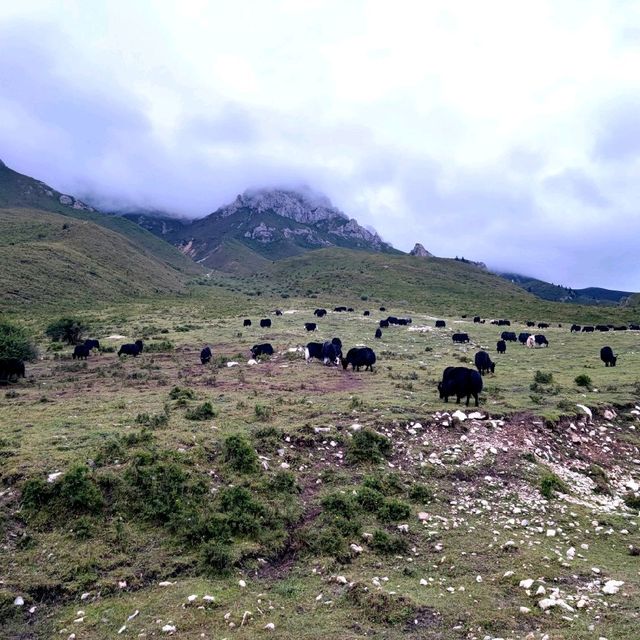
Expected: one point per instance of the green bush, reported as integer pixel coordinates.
(159, 347)
(263, 412)
(632, 500)
(240, 455)
(36, 492)
(15, 343)
(583, 380)
(420, 493)
(393, 510)
(369, 499)
(153, 421)
(387, 544)
(216, 558)
(79, 491)
(204, 411)
(368, 446)
(550, 483)
(69, 330)
(543, 378)
(181, 393)
(340, 504)
(284, 482)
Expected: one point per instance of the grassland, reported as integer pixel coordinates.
(297, 479)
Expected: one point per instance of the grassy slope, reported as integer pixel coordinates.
(481, 498)
(43, 263)
(441, 285)
(20, 191)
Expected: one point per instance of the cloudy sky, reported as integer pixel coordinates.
(507, 132)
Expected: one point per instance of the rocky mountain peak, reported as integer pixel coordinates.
(302, 205)
(420, 251)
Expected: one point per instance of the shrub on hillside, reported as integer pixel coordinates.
(15, 343)
(583, 380)
(550, 483)
(204, 411)
(240, 455)
(69, 330)
(369, 446)
(543, 378)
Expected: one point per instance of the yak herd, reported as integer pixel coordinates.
(460, 382)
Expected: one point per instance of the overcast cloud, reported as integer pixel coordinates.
(507, 132)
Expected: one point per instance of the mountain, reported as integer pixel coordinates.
(264, 224)
(57, 249)
(558, 293)
(420, 251)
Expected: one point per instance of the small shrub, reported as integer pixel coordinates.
(69, 330)
(263, 412)
(284, 482)
(181, 393)
(36, 492)
(356, 403)
(216, 558)
(368, 446)
(386, 544)
(79, 492)
(543, 378)
(632, 500)
(15, 343)
(240, 455)
(159, 347)
(204, 411)
(420, 493)
(583, 380)
(153, 421)
(340, 504)
(550, 483)
(369, 499)
(393, 510)
(83, 528)
(599, 477)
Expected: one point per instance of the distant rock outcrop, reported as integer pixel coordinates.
(420, 251)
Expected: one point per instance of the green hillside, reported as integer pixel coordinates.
(49, 258)
(445, 286)
(558, 293)
(17, 190)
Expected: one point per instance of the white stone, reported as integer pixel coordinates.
(19, 601)
(208, 598)
(169, 628)
(52, 477)
(355, 547)
(423, 582)
(547, 603)
(423, 515)
(478, 578)
(122, 629)
(526, 584)
(404, 528)
(242, 583)
(524, 610)
(232, 364)
(551, 533)
(586, 410)
(540, 591)
(612, 586)
(85, 595)
(252, 362)
(476, 415)
(192, 598)
(507, 574)
(341, 580)
(133, 615)
(269, 626)
(165, 583)
(459, 415)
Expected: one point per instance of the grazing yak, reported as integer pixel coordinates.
(483, 363)
(278, 312)
(11, 367)
(378, 333)
(384, 324)
(265, 323)
(261, 350)
(328, 352)
(587, 329)
(460, 337)
(246, 323)
(476, 319)
(81, 352)
(383, 308)
(340, 309)
(366, 313)
(523, 337)
(440, 324)
(530, 323)
(509, 336)
(320, 313)
(205, 355)
(359, 357)
(92, 344)
(602, 327)
(460, 382)
(575, 328)
(131, 349)
(606, 355)
(501, 346)
(310, 326)
(634, 327)
(541, 340)
(543, 325)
